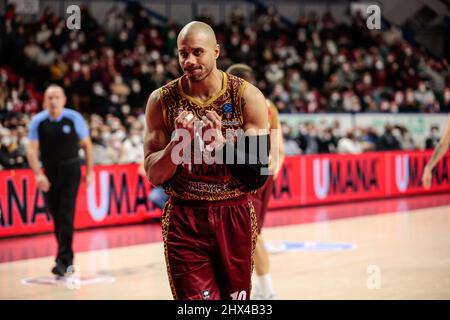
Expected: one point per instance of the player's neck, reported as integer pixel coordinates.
(207, 88)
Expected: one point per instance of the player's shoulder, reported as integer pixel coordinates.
(169, 86)
(270, 104)
(157, 94)
(251, 92)
(233, 78)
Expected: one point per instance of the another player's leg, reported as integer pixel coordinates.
(263, 288)
(263, 281)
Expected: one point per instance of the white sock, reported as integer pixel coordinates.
(264, 283)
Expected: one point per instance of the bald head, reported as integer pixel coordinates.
(54, 100)
(200, 31)
(54, 88)
(197, 50)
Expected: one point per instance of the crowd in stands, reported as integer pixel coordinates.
(110, 66)
(313, 139)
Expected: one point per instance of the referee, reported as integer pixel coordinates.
(56, 134)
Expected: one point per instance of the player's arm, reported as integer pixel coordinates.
(255, 111)
(250, 172)
(158, 164)
(438, 153)
(276, 142)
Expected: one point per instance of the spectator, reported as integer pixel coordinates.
(388, 141)
(349, 144)
(290, 145)
(432, 141)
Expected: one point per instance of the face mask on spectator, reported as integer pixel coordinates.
(6, 141)
(119, 134)
(76, 67)
(106, 135)
(135, 139)
(125, 109)
(379, 65)
(159, 68)
(135, 86)
(114, 98)
(123, 36)
(245, 48)
(422, 87)
(154, 55)
(144, 69)
(408, 51)
(335, 96)
(98, 89)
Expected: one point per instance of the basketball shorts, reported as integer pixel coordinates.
(209, 248)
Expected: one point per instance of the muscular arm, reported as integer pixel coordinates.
(249, 167)
(276, 142)
(255, 111)
(441, 148)
(157, 144)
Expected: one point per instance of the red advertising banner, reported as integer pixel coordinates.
(337, 178)
(407, 169)
(119, 195)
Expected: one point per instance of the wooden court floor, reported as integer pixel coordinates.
(396, 255)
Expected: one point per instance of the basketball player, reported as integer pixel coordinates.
(263, 288)
(438, 153)
(209, 223)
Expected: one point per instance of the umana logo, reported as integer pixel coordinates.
(115, 194)
(402, 172)
(321, 177)
(409, 171)
(344, 175)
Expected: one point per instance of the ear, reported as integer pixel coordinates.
(217, 51)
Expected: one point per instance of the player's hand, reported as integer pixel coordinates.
(42, 182)
(88, 178)
(185, 120)
(141, 170)
(426, 177)
(212, 121)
